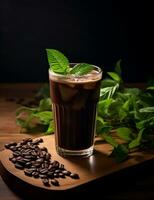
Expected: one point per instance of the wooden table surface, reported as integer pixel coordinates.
(134, 183)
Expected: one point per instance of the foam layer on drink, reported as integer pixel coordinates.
(93, 76)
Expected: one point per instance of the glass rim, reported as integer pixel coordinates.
(99, 70)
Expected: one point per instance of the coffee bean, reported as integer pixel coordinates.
(54, 182)
(40, 160)
(12, 143)
(28, 157)
(41, 140)
(28, 172)
(57, 171)
(18, 145)
(34, 154)
(19, 157)
(42, 154)
(50, 175)
(29, 144)
(18, 166)
(67, 173)
(35, 174)
(11, 157)
(45, 181)
(26, 146)
(62, 167)
(43, 165)
(33, 169)
(43, 171)
(13, 148)
(61, 175)
(37, 165)
(16, 153)
(37, 141)
(14, 160)
(50, 167)
(26, 154)
(26, 140)
(21, 162)
(27, 151)
(7, 146)
(56, 175)
(55, 164)
(47, 156)
(28, 164)
(44, 149)
(33, 147)
(42, 176)
(37, 162)
(74, 176)
(26, 160)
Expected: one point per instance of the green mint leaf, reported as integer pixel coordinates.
(108, 92)
(99, 125)
(81, 69)
(20, 122)
(134, 143)
(127, 104)
(121, 153)
(147, 110)
(100, 119)
(124, 133)
(150, 88)
(45, 117)
(108, 83)
(57, 61)
(108, 138)
(137, 141)
(132, 91)
(118, 67)
(114, 76)
(45, 104)
(122, 114)
(103, 106)
(50, 129)
(147, 123)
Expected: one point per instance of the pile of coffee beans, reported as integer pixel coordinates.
(37, 162)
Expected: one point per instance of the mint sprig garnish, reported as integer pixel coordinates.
(81, 69)
(59, 64)
(57, 61)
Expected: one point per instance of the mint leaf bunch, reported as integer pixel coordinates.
(38, 119)
(126, 115)
(59, 64)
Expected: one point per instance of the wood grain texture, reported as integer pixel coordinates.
(89, 169)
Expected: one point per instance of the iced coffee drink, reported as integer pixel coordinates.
(74, 101)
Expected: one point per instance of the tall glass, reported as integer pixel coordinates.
(74, 101)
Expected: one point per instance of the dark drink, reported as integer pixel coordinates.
(74, 100)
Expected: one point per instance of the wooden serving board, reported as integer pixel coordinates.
(89, 169)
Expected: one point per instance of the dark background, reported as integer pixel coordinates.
(97, 32)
